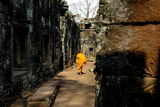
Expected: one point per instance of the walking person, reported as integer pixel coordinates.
(80, 61)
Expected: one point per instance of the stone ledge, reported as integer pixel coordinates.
(45, 95)
(19, 73)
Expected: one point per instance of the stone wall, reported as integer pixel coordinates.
(70, 39)
(118, 11)
(88, 38)
(127, 64)
(5, 51)
(30, 44)
(88, 45)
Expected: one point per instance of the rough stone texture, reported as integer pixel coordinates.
(5, 54)
(127, 64)
(88, 38)
(30, 44)
(142, 40)
(88, 43)
(70, 39)
(117, 11)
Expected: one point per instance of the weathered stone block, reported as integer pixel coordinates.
(130, 91)
(39, 104)
(129, 53)
(117, 11)
(135, 46)
(45, 95)
(129, 61)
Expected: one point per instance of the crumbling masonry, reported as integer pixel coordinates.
(88, 38)
(128, 62)
(31, 44)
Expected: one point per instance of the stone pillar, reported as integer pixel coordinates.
(5, 52)
(63, 34)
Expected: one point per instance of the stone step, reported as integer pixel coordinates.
(45, 95)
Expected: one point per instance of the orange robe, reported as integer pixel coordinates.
(80, 61)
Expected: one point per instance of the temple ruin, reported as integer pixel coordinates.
(31, 44)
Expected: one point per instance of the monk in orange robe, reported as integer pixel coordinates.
(80, 61)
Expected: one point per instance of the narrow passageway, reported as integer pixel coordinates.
(76, 90)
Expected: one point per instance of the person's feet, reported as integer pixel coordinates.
(80, 73)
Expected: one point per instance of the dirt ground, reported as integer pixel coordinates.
(76, 90)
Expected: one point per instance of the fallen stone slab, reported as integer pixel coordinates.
(45, 95)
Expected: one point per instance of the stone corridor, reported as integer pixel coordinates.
(39, 41)
(74, 90)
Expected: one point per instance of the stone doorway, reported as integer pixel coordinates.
(46, 48)
(20, 48)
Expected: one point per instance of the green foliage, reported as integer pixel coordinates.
(69, 13)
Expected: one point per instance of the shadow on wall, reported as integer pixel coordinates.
(124, 81)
